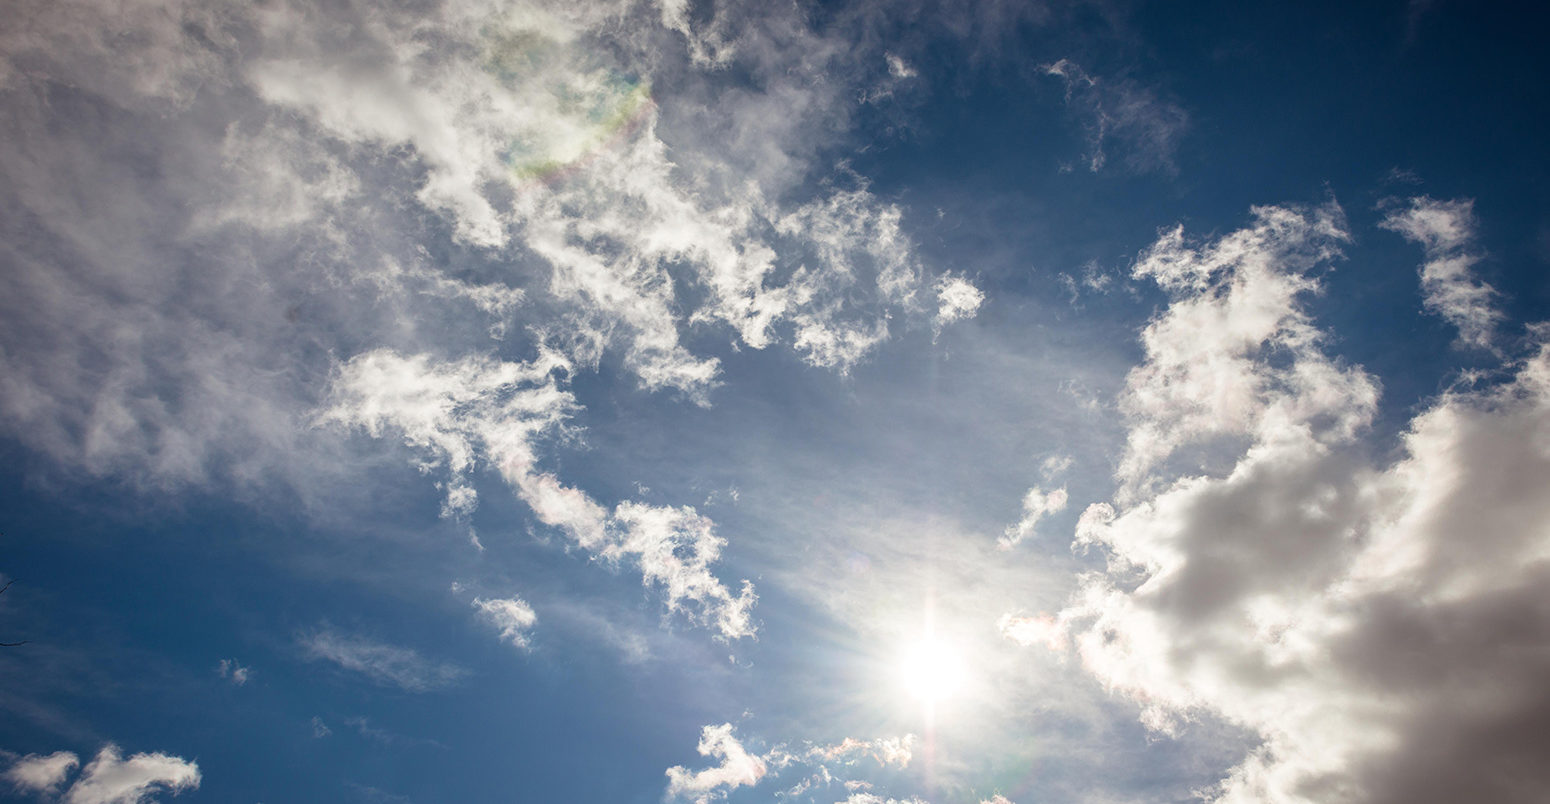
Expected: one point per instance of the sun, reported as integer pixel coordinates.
(931, 670)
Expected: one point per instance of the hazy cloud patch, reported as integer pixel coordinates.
(385, 664)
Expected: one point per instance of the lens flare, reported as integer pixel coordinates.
(931, 670)
(575, 111)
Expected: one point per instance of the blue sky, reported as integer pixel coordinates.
(862, 402)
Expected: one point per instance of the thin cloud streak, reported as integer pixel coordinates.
(385, 664)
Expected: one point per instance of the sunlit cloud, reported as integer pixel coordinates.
(1446, 230)
(1280, 592)
(513, 617)
(892, 393)
(108, 778)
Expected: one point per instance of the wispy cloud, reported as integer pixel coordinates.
(42, 773)
(1145, 125)
(513, 617)
(1037, 504)
(614, 211)
(1446, 231)
(384, 664)
(459, 413)
(234, 672)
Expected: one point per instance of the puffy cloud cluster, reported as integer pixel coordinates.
(823, 765)
(1382, 628)
(1234, 356)
(107, 779)
(473, 411)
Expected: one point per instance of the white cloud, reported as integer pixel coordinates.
(1037, 504)
(1028, 631)
(279, 179)
(385, 664)
(895, 751)
(873, 798)
(171, 325)
(111, 779)
(512, 616)
(236, 673)
(825, 765)
(957, 299)
(457, 411)
(738, 768)
(472, 411)
(610, 205)
(674, 548)
(1446, 230)
(1353, 616)
(1209, 373)
(320, 729)
(42, 774)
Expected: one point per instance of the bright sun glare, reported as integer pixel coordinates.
(931, 670)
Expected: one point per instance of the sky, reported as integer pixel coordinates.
(866, 402)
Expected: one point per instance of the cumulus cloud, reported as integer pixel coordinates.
(513, 617)
(111, 779)
(738, 768)
(1446, 231)
(384, 664)
(1234, 355)
(476, 410)
(1146, 125)
(1381, 628)
(822, 765)
(957, 299)
(39, 773)
(107, 779)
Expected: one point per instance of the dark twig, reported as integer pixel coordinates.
(10, 644)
